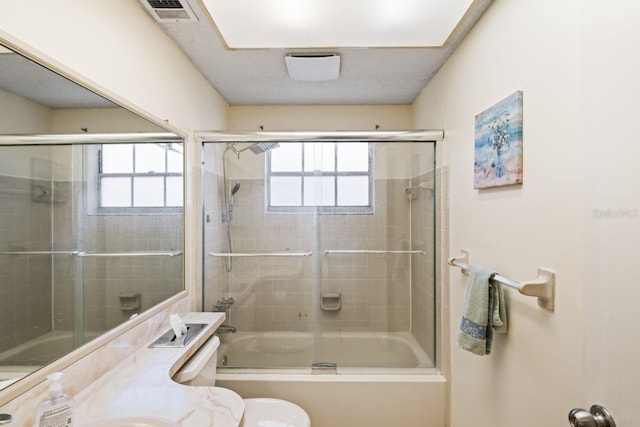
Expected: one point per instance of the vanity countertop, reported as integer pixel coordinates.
(141, 387)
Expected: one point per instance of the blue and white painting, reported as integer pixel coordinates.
(498, 144)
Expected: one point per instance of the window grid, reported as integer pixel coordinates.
(336, 208)
(131, 176)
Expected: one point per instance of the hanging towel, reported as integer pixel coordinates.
(484, 310)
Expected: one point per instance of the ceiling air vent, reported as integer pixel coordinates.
(170, 10)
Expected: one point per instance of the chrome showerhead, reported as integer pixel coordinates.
(257, 148)
(262, 147)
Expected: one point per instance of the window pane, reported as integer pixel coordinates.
(115, 192)
(150, 158)
(353, 157)
(287, 158)
(174, 158)
(174, 191)
(353, 191)
(319, 191)
(285, 191)
(319, 157)
(117, 158)
(148, 191)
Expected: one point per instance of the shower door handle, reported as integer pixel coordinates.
(598, 416)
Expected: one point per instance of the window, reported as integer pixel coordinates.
(144, 177)
(331, 177)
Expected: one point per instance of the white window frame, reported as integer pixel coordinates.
(124, 210)
(335, 209)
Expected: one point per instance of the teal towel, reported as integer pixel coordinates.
(484, 311)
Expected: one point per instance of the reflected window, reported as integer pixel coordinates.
(330, 177)
(145, 177)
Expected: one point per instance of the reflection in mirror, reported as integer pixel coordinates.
(91, 233)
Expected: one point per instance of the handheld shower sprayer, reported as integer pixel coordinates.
(255, 148)
(234, 190)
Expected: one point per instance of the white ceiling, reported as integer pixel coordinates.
(367, 75)
(29, 80)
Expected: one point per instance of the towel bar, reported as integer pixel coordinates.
(543, 287)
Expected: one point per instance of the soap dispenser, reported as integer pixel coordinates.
(56, 410)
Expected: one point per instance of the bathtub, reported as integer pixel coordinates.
(27, 357)
(349, 350)
(382, 379)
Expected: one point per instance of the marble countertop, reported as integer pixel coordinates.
(141, 387)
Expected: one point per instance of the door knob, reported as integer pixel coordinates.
(598, 416)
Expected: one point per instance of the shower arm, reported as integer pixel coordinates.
(231, 146)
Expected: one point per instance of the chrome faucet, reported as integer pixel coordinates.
(222, 305)
(225, 329)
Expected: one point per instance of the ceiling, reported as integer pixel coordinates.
(23, 77)
(367, 75)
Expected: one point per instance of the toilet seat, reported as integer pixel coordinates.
(266, 412)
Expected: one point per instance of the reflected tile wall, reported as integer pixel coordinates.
(103, 281)
(25, 280)
(109, 279)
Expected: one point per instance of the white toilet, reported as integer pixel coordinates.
(200, 370)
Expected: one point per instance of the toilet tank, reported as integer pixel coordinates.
(200, 369)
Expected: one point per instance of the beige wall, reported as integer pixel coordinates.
(320, 117)
(611, 39)
(19, 115)
(535, 374)
(99, 120)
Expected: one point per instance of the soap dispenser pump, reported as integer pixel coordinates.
(56, 410)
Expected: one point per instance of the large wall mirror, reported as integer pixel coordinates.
(91, 221)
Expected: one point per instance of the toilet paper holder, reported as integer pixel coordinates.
(331, 301)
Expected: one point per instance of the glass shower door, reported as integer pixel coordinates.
(264, 261)
(326, 250)
(377, 276)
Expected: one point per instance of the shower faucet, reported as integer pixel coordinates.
(222, 305)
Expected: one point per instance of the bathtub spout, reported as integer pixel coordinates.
(222, 305)
(225, 329)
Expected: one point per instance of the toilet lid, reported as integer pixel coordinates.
(264, 412)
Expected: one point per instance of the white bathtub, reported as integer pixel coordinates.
(382, 379)
(32, 355)
(350, 350)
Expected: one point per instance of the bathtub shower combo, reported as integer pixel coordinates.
(322, 255)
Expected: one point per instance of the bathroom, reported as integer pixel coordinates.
(571, 60)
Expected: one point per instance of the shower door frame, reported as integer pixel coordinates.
(220, 137)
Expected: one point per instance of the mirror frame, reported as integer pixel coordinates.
(28, 382)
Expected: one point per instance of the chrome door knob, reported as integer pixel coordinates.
(598, 416)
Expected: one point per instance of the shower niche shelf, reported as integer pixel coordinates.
(331, 302)
(130, 301)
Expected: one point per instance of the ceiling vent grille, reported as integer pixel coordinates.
(169, 10)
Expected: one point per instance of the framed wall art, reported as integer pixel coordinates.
(498, 144)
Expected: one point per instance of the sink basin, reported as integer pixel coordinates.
(131, 422)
